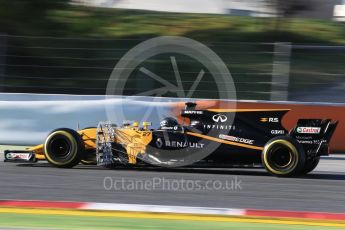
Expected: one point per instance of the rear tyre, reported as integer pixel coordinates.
(310, 165)
(63, 148)
(283, 157)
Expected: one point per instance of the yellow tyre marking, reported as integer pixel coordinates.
(225, 141)
(283, 142)
(86, 162)
(73, 150)
(171, 216)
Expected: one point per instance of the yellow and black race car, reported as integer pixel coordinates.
(211, 138)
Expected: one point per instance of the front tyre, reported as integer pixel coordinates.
(283, 157)
(63, 148)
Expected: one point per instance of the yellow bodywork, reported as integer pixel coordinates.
(133, 139)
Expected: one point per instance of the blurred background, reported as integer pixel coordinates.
(56, 57)
(274, 49)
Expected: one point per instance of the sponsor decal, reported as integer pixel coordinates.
(18, 156)
(236, 139)
(313, 142)
(169, 128)
(219, 127)
(309, 130)
(275, 132)
(263, 119)
(165, 127)
(163, 123)
(304, 137)
(193, 112)
(219, 118)
(183, 144)
(159, 143)
(304, 142)
(270, 119)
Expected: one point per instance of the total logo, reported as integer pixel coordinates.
(270, 119)
(219, 118)
(309, 130)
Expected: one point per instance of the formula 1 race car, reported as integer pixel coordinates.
(211, 138)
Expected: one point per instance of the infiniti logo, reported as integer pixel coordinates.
(219, 118)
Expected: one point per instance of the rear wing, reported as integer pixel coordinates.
(329, 130)
(314, 134)
(315, 129)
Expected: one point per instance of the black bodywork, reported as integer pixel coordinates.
(240, 134)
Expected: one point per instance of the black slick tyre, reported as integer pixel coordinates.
(283, 157)
(63, 148)
(310, 165)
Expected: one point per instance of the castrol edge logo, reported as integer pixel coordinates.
(309, 130)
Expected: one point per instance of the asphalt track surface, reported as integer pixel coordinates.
(322, 190)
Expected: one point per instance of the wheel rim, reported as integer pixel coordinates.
(281, 158)
(60, 147)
